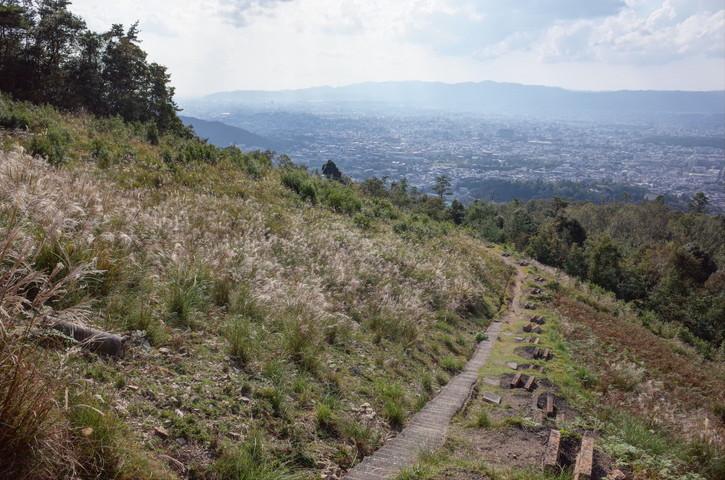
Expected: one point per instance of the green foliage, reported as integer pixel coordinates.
(242, 341)
(482, 420)
(300, 182)
(101, 440)
(52, 145)
(50, 56)
(340, 198)
(451, 364)
(394, 329)
(394, 402)
(665, 261)
(250, 461)
(186, 296)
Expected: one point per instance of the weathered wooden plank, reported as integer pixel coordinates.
(585, 459)
(517, 381)
(550, 409)
(492, 398)
(551, 454)
(530, 383)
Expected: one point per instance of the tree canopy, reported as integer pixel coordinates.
(49, 56)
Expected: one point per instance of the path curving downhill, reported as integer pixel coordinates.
(427, 430)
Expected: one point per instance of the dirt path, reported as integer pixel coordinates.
(427, 430)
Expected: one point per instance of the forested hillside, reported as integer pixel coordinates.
(48, 55)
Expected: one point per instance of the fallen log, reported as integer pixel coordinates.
(97, 341)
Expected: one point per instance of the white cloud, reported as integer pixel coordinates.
(214, 45)
(660, 35)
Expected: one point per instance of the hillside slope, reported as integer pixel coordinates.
(281, 325)
(250, 312)
(223, 135)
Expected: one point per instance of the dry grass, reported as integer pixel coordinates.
(186, 254)
(645, 373)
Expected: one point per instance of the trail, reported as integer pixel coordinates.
(427, 430)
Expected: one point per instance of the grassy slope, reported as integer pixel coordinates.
(251, 313)
(655, 405)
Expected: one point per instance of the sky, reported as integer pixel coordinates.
(222, 45)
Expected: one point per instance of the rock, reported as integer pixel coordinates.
(164, 350)
(179, 413)
(161, 432)
(245, 400)
(513, 365)
(87, 432)
(181, 441)
(132, 387)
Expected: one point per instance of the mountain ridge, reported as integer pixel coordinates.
(480, 97)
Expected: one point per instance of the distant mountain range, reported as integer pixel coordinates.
(483, 97)
(223, 135)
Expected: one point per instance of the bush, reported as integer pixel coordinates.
(340, 198)
(53, 145)
(301, 183)
(13, 117)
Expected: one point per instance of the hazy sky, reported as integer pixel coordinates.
(215, 45)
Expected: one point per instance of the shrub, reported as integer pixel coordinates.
(340, 198)
(53, 145)
(481, 337)
(13, 116)
(301, 183)
(301, 340)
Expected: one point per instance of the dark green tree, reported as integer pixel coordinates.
(330, 170)
(604, 263)
(699, 203)
(457, 212)
(442, 186)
